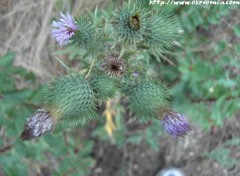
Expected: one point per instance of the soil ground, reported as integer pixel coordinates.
(184, 153)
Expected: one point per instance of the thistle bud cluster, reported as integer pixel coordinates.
(111, 51)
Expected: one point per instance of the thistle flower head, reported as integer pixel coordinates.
(114, 65)
(64, 29)
(140, 26)
(38, 124)
(176, 124)
(129, 23)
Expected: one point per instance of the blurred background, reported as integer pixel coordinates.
(202, 72)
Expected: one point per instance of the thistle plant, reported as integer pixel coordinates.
(111, 64)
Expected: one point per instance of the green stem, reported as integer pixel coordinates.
(90, 69)
(62, 63)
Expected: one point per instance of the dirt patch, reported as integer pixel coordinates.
(185, 153)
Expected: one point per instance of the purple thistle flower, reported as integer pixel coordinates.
(38, 124)
(64, 29)
(176, 124)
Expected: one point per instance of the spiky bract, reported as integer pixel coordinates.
(71, 98)
(85, 34)
(148, 99)
(104, 87)
(129, 23)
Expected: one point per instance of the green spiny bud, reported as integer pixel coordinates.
(148, 99)
(85, 34)
(161, 32)
(129, 23)
(135, 24)
(70, 98)
(104, 87)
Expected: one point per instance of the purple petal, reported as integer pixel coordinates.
(39, 123)
(63, 29)
(176, 124)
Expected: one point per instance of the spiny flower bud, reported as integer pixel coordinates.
(136, 24)
(147, 99)
(113, 65)
(64, 29)
(161, 32)
(71, 99)
(129, 23)
(104, 87)
(175, 124)
(38, 124)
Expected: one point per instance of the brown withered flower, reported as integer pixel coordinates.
(113, 65)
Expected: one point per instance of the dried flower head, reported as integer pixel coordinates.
(176, 124)
(114, 65)
(38, 124)
(64, 29)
